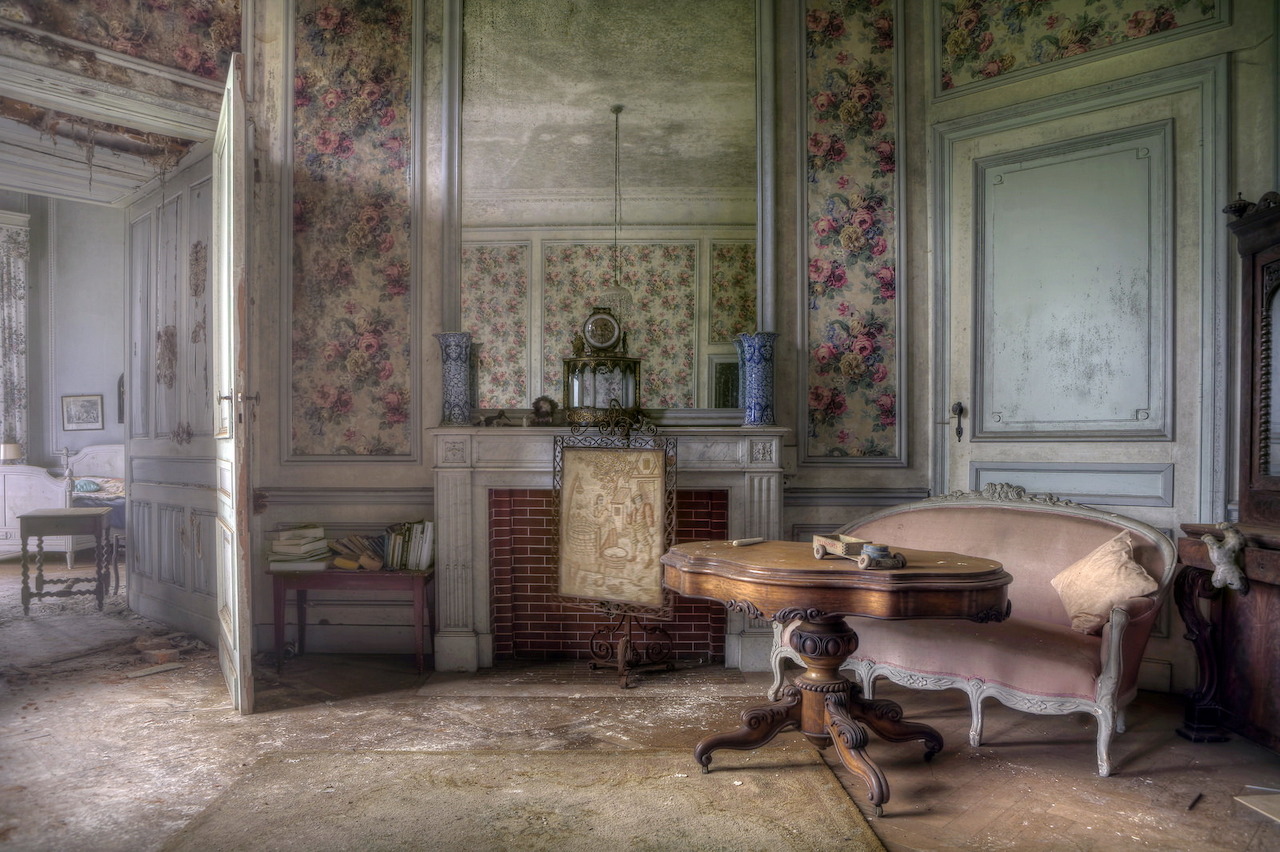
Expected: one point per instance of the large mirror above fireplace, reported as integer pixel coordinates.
(554, 203)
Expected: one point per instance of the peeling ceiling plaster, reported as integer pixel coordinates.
(540, 76)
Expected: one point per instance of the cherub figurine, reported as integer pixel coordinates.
(1223, 555)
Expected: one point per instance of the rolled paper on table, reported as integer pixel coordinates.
(743, 542)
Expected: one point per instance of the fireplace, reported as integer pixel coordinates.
(729, 481)
(530, 619)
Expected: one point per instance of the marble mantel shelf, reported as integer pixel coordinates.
(472, 460)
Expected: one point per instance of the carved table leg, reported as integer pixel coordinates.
(102, 580)
(828, 708)
(850, 740)
(885, 718)
(26, 580)
(759, 725)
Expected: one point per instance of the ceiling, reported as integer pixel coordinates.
(47, 152)
(88, 125)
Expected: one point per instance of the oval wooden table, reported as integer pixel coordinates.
(785, 582)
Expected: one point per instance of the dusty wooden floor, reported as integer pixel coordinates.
(91, 758)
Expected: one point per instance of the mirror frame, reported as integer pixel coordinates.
(451, 155)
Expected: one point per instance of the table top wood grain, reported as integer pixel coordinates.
(782, 576)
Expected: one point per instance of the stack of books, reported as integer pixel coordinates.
(409, 546)
(358, 553)
(298, 548)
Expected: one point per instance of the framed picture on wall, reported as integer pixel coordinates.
(82, 413)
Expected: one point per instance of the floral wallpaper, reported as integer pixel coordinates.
(495, 310)
(660, 328)
(986, 39)
(852, 318)
(14, 254)
(351, 303)
(197, 36)
(733, 290)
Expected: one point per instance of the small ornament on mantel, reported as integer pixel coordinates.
(455, 363)
(757, 379)
(544, 412)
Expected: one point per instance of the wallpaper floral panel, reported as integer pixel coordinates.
(662, 280)
(197, 36)
(495, 309)
(852, 316)
(14, 253)
(351, 302)
(987, 39)
(733, 290)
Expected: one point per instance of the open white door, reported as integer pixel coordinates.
(230, 250)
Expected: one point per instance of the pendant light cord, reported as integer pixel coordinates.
(616, 109)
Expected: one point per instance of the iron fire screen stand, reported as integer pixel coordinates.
(628, 645)
(624, 647)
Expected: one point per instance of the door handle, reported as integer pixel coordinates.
(957, 408)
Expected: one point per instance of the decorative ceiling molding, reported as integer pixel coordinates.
(78, 79)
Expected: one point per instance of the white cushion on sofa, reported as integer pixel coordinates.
(1105, 578)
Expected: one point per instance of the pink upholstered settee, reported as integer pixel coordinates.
(1033, 661)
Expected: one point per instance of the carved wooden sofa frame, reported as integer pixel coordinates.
(1033, 661)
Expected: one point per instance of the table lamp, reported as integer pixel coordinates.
(10, 451)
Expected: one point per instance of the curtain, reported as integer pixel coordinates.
(13, 334)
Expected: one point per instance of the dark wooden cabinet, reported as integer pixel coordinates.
(1238, 641)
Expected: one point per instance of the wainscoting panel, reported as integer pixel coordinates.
(170, 544)
(1094, 484)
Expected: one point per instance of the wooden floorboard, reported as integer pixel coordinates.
(1033, 783)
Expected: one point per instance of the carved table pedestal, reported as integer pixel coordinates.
(784, 581)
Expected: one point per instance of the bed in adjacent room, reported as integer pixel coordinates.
(92, 477)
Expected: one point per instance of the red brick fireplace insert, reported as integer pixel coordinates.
(530, 624)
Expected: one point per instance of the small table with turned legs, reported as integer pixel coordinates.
(69, 522)
(785, 581)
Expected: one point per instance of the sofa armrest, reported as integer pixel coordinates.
(1124, 639)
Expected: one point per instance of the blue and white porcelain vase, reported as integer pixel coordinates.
(455, 362)
(756, 380)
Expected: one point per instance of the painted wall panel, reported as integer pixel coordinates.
(351, 333)
(140, 350)
(86, 317)
(1073, 294)
(852, 326)
(1095, 484)
(167, 317)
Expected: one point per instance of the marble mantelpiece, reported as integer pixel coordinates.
(471, 461)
